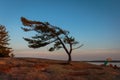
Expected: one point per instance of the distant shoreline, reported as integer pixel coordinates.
(115, 61)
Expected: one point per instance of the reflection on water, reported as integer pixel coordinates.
(99, 63)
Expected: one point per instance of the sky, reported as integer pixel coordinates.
(94, 23)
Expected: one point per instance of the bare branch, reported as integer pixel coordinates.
(78, 47)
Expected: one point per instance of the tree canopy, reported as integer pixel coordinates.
(4, 38)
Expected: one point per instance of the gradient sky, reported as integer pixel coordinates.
(95, 23)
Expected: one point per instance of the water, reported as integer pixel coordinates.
(113, 63)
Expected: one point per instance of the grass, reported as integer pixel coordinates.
(45, 69)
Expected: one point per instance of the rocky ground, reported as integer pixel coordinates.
(44, 69)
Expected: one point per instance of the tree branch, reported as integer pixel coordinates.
(63, 45)
(78, 47)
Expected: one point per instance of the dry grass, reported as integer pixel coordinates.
(44, 69)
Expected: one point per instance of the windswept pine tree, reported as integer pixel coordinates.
(49, 34)
(4, 38)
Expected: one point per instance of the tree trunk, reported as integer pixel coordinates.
(69, 58)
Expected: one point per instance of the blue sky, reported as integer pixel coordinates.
(95, 23)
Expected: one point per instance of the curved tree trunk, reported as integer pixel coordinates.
(69, 58)
(68, 52)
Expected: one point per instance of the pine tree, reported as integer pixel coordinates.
(47, 34)
(4, 38)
